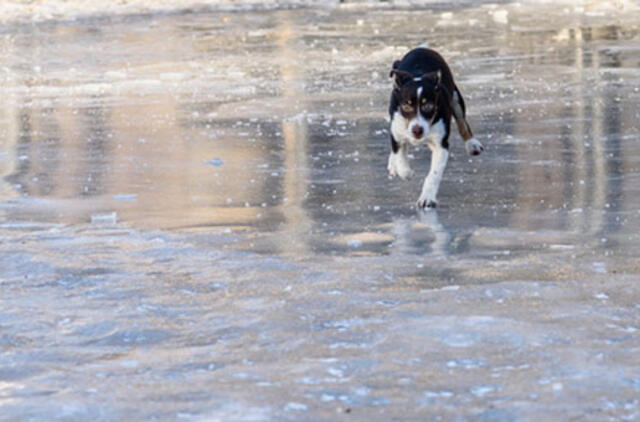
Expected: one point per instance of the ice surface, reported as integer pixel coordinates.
(196, 221)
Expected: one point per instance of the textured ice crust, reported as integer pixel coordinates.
(20, 10)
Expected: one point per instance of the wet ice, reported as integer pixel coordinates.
(220, 232)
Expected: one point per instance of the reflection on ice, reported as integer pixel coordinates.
(298, 154)
(422, 234)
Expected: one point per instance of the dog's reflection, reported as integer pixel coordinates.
(421, 234)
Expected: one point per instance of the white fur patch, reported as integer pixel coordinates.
(436, 133)
(399, 129)
(439, 157)
(402, 130)
(457, 108)
(399, 164)
(474, 147)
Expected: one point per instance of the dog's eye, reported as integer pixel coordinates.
(407, 107)
(427, 107)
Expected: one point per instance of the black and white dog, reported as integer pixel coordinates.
(423, 100)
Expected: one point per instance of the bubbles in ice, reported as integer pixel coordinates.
(215, 162)
(295, 406)
(104, 218)
(126, 197)
(354, 243)
(483, 390)
(500, 16)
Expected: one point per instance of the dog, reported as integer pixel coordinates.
(423, 100)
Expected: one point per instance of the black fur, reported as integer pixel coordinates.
(436, 81)
(423, 100)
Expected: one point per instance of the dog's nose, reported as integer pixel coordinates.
(417, 131)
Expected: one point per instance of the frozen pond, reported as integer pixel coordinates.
(196, 220)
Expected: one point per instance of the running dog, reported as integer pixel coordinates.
(423, 99)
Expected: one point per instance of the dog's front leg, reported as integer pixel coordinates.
(398, 161)
(439, 157)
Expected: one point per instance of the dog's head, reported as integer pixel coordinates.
(417, 98)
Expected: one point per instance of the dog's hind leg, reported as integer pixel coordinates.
(473, 146)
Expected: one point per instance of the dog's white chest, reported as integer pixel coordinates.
(436, 133)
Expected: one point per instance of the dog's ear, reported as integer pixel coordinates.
(436, 77)
(400, 77)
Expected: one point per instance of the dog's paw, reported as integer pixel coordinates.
(426, 203)
(405, 173)
(474, 147)
(399, 167)
(391, 167)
